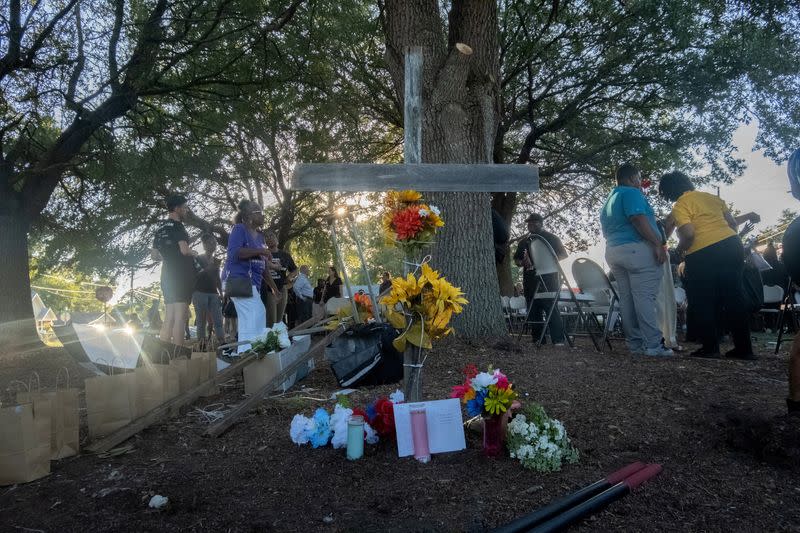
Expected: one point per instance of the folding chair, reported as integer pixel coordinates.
(788, 309)
(517, 308)
(773, 298)
(546, 262)
(505, 303)
(593, 281)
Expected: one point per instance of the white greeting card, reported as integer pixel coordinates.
(445, 426)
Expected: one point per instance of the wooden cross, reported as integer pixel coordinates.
(350, 177)
(368, 177)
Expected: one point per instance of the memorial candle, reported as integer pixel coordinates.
(419, 434)
(355, 437)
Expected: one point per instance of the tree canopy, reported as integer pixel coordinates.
(107, 106)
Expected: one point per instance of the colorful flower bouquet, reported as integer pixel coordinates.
(427, 304)
(489, 395)
(485, 393)
(323, 427)
(538, 441)
(409, 223)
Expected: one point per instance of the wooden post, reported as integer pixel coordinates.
(412, 107)
(220, 426)
(412, 151)
(167, 409)
(354, 233)
(344, 269)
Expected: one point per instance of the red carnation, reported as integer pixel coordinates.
(470, 371)
(407, 222)
(384, 419)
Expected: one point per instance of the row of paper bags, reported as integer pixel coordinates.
(116, 400)
(43, 426)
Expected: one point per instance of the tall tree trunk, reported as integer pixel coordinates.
(460, 110)
(17, 325)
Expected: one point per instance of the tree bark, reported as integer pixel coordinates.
(460, 94)
(17, 324)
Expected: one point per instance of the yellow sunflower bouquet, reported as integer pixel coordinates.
(421, 308)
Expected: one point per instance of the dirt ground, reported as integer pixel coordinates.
(731, 457)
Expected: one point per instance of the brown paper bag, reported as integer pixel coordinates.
(110, 402)
(64, 419)
(24, 442)
(189, 371)
(209, 370)
(170, 380)
(149, 389)
(65, 438)
(66, 441)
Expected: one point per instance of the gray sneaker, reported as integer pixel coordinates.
(659, 352)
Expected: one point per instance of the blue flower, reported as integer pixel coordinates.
(475, 406)
(371, 412)
(322, 429)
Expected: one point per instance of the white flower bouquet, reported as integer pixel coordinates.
(538, 441)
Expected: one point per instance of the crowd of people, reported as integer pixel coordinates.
(255, 286)
(709, 255)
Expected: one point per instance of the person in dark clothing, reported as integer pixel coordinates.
(714, 266)
(154, 321)
(386, 283)
(531, 281)
(208, 289)
(333, 285)
(319, 290)
(281, 267)
(791, 262)
(500, 236)
(171, 246)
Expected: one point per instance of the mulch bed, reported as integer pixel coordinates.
(731, 457)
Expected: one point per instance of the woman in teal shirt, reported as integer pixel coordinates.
(635, 251)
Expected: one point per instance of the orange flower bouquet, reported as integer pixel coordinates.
(408, 222)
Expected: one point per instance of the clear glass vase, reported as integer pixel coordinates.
(492, 435)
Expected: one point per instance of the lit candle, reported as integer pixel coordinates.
(419, 433)
(355, 437)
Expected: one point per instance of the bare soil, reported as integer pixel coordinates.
(731, 456)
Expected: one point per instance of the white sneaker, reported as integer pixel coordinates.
(659, 352)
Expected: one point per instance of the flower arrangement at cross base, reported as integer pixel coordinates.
(490, 395)
(344, 315)
(273, 339)
(538, 441)
(324, 428)
(408, 222)
(421, 308)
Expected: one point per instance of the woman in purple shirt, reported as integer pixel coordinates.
(246, 259)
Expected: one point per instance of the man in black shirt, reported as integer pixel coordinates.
(171, 246)
(207, 291)
(530, 281)
(283, 269)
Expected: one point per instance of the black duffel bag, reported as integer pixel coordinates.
(364, 355)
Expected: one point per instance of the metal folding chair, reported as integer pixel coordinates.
(592, 280)
(546, 263)
(788, 309)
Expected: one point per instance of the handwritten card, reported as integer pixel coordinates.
(445, 426)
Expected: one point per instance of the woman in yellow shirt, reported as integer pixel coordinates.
(714, 266)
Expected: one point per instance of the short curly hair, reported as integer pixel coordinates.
(673, 184)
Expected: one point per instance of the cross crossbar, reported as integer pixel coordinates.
(366, 177)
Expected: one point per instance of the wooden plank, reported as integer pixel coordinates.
(164, 410)
(422, 177)
(219, 427)
(412, 106)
